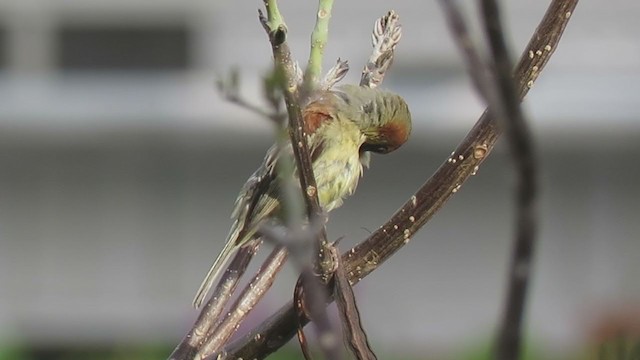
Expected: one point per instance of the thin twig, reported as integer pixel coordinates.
(229, 88)
(319, 38)
(243, 103)
(384, 242)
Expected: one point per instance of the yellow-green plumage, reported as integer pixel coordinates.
(343, 125)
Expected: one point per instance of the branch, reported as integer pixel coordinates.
(464, 162)
(521, 148)
(502, 100)
(284, 62)
(312, 294)
(314, 300)
(229, 88)
(353, 331)
(245, 302)
(475, 66)
(304, 166)
(205, 325)
(319, 38)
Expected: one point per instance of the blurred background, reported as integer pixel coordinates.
(119, 165)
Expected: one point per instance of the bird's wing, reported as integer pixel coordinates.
(257, 197)
(256, 202)
(254, 196)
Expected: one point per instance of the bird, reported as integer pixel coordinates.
(343, 126)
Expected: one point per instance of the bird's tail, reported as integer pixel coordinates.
(216, 269)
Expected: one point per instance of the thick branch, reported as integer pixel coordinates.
(446, 181)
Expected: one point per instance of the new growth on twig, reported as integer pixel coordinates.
(386, 35)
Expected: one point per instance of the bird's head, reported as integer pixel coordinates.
(383, 117)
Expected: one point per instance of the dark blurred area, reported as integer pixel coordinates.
(119, 166)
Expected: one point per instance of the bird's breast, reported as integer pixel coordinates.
(337, 172)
